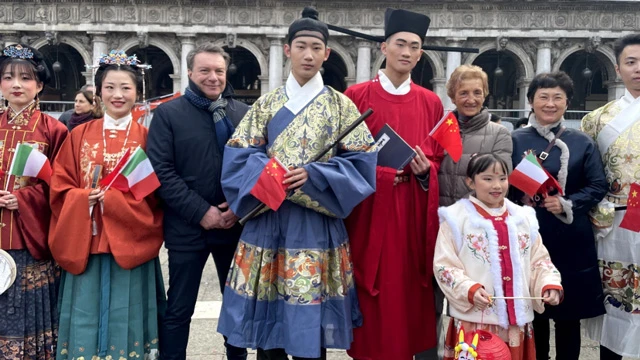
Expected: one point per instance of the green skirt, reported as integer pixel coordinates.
(110, 313)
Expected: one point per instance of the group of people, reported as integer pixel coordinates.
(359, 256)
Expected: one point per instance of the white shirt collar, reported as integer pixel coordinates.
(388, 86)
(116, 124)
(300, 96)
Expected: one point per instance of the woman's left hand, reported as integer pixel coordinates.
(553, 204)
(420, 164)
(551, 297)
(8, 200)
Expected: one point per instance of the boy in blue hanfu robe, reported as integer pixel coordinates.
(290, 289)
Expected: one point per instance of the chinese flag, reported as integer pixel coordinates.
(447, 134)
(631, 219)
(269, 188)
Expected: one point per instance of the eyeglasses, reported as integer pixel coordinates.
(556, 99)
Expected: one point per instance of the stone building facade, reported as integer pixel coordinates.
(520, 37)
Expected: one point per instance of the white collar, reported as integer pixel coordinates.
(300, 96)
(116, 124)
(492, 211)
(388, 86)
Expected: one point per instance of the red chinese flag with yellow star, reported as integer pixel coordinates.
(631, 219)
(269, 188)
(447, 134)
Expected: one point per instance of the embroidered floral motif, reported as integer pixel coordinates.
(446, 277)
(524, 240)
(545, 264)
(302, 277)
(478, 245)
(621, 284)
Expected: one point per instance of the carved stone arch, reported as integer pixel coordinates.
(523, 61)
(77, 45)
(434, 60)
(603, 53)
(253, 49)
(160, 44)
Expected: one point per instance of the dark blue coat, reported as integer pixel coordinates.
(572, 247)
(184, 152)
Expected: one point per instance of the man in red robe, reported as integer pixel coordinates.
(393, 232)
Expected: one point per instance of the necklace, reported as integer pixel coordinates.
(113, 158)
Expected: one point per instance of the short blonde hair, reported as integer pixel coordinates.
(467, 72)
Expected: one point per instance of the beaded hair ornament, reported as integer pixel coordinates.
(120, 58)
(17, 52)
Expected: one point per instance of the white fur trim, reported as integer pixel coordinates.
(448, 215)
(545, 132)
(519, 280)
(567, 207)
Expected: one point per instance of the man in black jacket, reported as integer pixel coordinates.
(185, 145)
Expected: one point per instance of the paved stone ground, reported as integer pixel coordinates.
(206, 343)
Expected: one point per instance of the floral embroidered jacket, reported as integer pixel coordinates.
(470, 252)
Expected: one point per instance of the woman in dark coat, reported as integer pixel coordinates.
(574, 160)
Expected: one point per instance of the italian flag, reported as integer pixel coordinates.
(28, 161)
(529, 175)
(136, 175)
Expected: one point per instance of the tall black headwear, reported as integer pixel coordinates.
(308, 25)
(399, 20)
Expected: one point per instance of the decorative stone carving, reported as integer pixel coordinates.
(606, 21)
(583, 20)
(116, 39)
(153, 15)
(27, 39)
(629, 20)
(378, 19)
(130, 14)
(537, 20)
(19, 13)
(288, 17)
(355, 18)
(231, 40)
(108, 14)
(86, 12)
(42, 14)
(561, 20)
(514, 19)
(175, 14)
(501, 43)
(220, 16)
(333, 18)
(143, 39)
(52, 37)
(244, 17)
(64, 14)
(265, 17)
(467, 20)
(592, 44)
(199, 16)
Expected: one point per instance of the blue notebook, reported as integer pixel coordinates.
(393, 151)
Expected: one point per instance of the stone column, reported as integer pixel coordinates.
(88, 77)
(9, 38)
(177, 83)
(187, 43)
(100, 45)
(276, 55)
(453, 61)
(264, 81)
(615, 89)
(543, 63)
(363, 66)
(439, 87)
(523, 102)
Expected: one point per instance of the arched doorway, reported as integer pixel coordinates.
(334, 72)
(422, 73)
(157, 79)
(589, 90)
(69, 79)
(502, 71)
(243, 73)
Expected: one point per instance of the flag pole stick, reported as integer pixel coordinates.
(119, 172)
(322, 153)
(13, 160)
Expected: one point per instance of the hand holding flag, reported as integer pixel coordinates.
(269, 188)
(28, 161)
(447, 134)
(529, 175)
(136, 175)
(631, 219)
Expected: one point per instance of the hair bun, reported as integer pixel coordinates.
(310, 12)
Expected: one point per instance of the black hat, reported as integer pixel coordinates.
(309, 25)
(396, 21)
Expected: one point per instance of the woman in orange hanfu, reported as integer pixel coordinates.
(106, 241)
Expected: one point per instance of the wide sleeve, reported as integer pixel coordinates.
(70, 232)
(594, 185)
(173, 190)
(544, 275)
(347, 179)
(34, 215)
(590, 123)
(244, 159)
(450, 273)
(503, 147)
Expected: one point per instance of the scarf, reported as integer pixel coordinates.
(223, 126)
(79, 119)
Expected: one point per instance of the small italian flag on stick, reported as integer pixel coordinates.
(28, 161)
(136, 175)
(529, 175)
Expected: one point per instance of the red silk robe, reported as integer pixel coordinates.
(28, 227)
(130, 230)
(393, 232)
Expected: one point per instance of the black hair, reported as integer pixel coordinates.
(520, 122)
(481, 162)
(35, 66)
(623, 42)
(495, 118)
(551, 80)
(134, 72)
